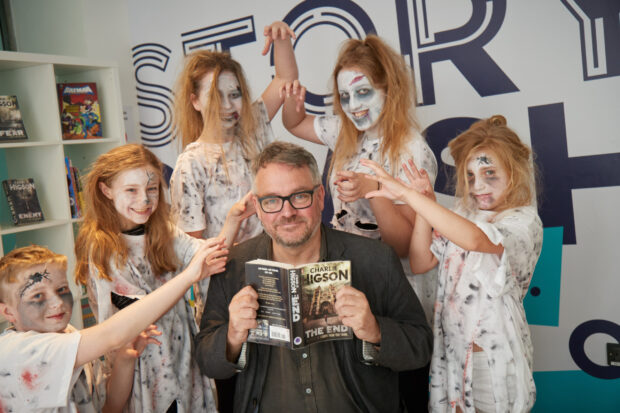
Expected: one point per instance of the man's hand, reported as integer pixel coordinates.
(242, 317)
(354, 311)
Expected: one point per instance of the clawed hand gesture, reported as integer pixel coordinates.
(276, 30)
(353, 185)
(209, 259)
(242, 209)
(135, 347)
(395, 188)
(296, 90)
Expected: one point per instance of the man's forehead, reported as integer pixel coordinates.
(279, 175)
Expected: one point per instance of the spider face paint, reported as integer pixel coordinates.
(230, 95)
(360, 101)
(135, 193)
(44, 300)
(487, 179)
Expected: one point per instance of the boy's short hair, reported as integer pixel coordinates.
(25, 257)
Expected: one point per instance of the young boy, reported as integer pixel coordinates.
(42, 356)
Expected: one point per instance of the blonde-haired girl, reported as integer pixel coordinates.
(486, 249)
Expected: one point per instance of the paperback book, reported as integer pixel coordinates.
(80, 115)
(21, 195)
(11, 123)
(297, 304)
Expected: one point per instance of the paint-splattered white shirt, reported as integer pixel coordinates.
(357, 217)
(168, 372)
(37, 374)
(480, 300)
(209, 178)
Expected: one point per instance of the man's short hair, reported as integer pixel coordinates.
(22, 258)
(288, 154)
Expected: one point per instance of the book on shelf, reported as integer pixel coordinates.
(76, 197)
(21, 195)
(11, 123)
(296, 303)
(80, 115)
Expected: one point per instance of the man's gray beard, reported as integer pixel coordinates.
(297, 243)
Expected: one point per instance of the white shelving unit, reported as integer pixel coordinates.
(32, 78)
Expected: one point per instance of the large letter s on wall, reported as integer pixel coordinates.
(157, 99)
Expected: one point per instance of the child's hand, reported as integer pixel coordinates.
(276, 30)
(390, 188)
(242, 209)
(295, 89)
(209, 259)
(419, 180)
(352, 185)
(135, 347)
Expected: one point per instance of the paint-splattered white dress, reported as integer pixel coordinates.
(209, 178)
(357, 217)
(480, 300)
(168, 372)
(37, 374)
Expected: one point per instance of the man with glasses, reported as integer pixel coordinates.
(391, 332)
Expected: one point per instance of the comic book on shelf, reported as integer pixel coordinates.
(80, 115)
(296, 303)
(21, 195)
(11, 124)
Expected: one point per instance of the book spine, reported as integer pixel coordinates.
(78, 207)
(80, 192)
(72, 199)
(297, 327)
(9, 200)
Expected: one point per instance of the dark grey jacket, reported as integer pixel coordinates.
(406, 339)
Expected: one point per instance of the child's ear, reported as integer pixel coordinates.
(196, 103)
(7, 312)
(106, 190)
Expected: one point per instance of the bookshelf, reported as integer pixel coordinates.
(32, 78)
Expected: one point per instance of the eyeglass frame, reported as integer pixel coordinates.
(288, 198)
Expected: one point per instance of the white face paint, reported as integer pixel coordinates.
(230, 95)
(487, 179)
(43, 299)
(135, 193)
(360, 101)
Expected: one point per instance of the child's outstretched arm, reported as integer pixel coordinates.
(123, 326)
(119, 385)
(241, 210)
(457, 229)
(294, 116)
(279, 34)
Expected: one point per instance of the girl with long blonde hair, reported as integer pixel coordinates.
(222, 131)
(486, 249)
(126, 248)
(374, 106)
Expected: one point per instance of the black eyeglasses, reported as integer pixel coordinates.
(298, 200)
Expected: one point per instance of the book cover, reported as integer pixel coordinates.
(319, 284)
(297, 304)
(11, 123)
(21, 195)
(80, 115)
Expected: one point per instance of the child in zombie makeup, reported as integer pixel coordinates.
(127, 247)
(222, 130)
(46, 365)
(486, 249)
(374, 106)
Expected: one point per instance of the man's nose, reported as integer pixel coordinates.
(287, 208)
